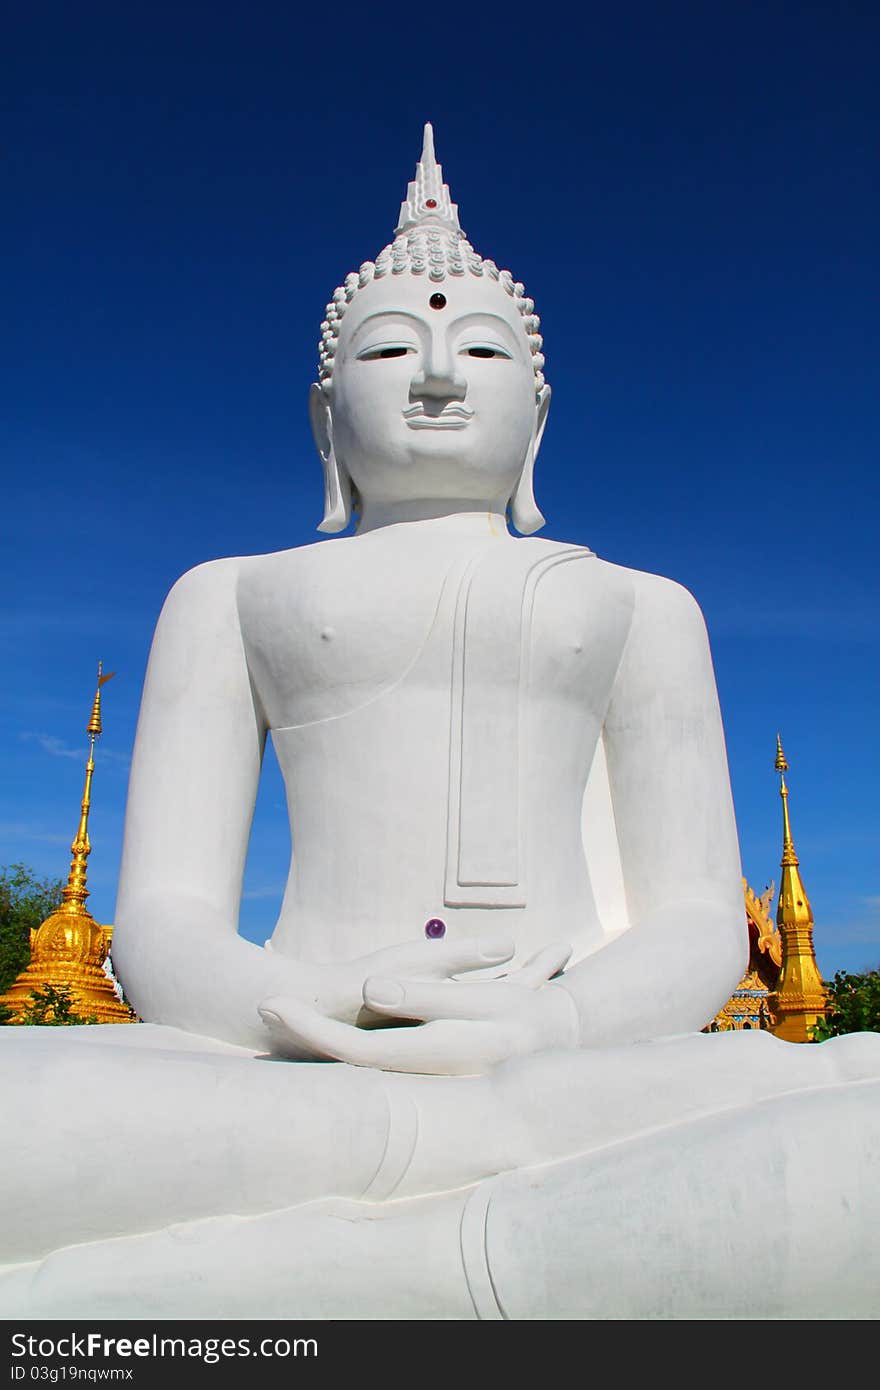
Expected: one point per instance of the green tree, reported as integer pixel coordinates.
(25, 902)
(853, 1005)
(53, 1007)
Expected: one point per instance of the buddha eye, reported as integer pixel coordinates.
(377, 354)
(479, 350)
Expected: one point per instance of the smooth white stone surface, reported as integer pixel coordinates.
(624, 1183)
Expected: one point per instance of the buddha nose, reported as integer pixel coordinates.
(438, 379)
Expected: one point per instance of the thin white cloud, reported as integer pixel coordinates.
(17, 830)
(57, 748)
(253, 894)
(110, 755)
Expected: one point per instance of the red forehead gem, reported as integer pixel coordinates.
(430, 202)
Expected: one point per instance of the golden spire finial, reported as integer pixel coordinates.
(781, 764)
(76, 891)
(94, 727)
(788, 855)
(799, 1000)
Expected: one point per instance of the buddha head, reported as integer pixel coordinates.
(431, 388)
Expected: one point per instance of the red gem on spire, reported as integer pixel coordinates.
(430, 202)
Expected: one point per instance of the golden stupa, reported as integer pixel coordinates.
(68, 950)
(799, 1000)
(782, 989)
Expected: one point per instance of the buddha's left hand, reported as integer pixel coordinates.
(467, 1026)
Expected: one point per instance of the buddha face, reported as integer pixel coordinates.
(433, 393)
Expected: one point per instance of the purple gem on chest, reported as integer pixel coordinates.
(435, 928)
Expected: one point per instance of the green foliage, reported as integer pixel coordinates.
(25, 902)
(853, 1006)
(52, 1007)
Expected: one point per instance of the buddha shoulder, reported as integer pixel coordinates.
(666, 622)
(218, 590)
(236, 588)
(341, 583)
(202, 602)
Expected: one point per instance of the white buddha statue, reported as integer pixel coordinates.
(514, 900)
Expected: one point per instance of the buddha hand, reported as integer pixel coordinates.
(463, 1027)
(337, 988)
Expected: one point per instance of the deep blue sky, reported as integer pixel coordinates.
(689, 191)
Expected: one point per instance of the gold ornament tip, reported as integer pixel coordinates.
(781, 765)
(94, 726)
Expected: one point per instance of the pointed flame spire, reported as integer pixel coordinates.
(427, 197)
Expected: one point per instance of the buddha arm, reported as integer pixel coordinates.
(687, 944)
(191, 798)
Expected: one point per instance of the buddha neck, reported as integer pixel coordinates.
(453, 516)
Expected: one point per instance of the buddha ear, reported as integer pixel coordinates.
(337, 484)
(524, 511)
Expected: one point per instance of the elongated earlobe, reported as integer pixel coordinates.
(524, 511)
(337, 495)
(337, 485)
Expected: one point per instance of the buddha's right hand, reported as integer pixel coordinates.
(338, 988)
